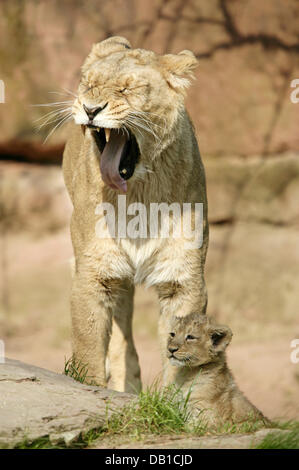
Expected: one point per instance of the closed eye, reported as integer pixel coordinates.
(190, 337)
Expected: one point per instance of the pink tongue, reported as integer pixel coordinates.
(110, 160)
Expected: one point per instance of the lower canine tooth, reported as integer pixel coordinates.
(107, 134)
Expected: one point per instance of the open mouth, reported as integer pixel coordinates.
(119, 155)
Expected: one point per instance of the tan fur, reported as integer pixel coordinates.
(196, 350)
(170, 170)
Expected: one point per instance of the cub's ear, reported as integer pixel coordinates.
(178, 69)
(221, 337)
(104, 48)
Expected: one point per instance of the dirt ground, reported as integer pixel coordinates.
(35, 325)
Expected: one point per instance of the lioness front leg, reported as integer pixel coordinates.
(93, 301)
(123, 359)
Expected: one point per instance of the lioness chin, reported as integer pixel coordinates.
(196, 351)
(131, 137)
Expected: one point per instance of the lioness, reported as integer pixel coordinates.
(196, 349)
(131, 137)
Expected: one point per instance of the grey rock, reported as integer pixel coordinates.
(229, 441)
(35, 402)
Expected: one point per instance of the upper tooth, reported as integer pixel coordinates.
(107, 134)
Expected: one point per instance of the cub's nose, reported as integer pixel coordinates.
(172, 349)
(92, 112)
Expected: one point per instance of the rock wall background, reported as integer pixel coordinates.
(248, 132)
(247, 50)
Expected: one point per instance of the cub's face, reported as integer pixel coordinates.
(130, 100)
(193, 341)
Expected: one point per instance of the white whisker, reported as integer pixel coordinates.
(70, 92)
(52, 114)
(55, 103)
(65, 93)
(140, 120)
(51, 121)
(62, 121)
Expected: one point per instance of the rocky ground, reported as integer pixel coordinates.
(36, 403)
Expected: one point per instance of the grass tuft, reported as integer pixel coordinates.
(282, 440)
(40, 443)
(246, 427)
(167, 411)
(76, 369)
(155, 411)
(81, 442)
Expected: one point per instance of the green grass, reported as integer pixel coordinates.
(247, 427)
(155, 411)
(84, 440)
(282, 440)
(40, 443)
(166, 411)
(76, 369)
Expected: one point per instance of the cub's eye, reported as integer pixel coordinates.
(190, 337)
(172, 334)
(123, 90)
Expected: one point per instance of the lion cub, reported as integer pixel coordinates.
(196, 349)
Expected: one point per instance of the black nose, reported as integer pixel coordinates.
(172, 349)
(92, 112)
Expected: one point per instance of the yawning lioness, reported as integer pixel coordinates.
(131, 136)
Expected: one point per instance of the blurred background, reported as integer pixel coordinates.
(248, 133)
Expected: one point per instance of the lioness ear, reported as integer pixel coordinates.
(178, 69)
(221, 337)
(104, 48)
